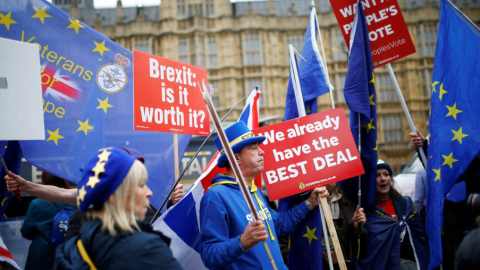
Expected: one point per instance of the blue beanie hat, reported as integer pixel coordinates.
(383, 165)
(239, 136)
(102, 175)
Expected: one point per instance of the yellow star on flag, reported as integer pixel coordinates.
(310, 235)
(92, 181)
(449, 160)
(104, 156)
(75, 24)
(81, 193)
(371, 100)
(54, 136)
(369, 126)
(100, 47)
(453, 111)
(442, 91)
(373, 78)
(7, 20)
(84, 126)
(104, 104)
(99, 168)
(376, 146)
(437, 172)
(41, 14)
(458, 135)
(433, 86)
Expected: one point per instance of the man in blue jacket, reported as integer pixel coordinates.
(229, 235)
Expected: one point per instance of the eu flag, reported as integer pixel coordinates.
(312, 74)
(87, 85)
(12, 155)
(305, 244)
(360, 96)
(454, 129)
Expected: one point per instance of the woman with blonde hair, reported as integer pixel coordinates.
(114, 196)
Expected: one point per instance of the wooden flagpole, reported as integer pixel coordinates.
(191, 160)
(233, 163)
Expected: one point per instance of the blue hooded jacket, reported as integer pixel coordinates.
(127, 250)
(224, 216)
(385, 236)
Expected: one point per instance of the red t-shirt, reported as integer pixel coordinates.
(387, 206)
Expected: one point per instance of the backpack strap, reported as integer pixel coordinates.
(84, 254)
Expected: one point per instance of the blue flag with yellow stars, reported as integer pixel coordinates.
(87, 86)
(305, 243)
(311, 72)
(360, 96)
(454, 128)
(12, 156)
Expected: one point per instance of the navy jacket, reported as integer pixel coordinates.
(138, 250)
(38, 228)
(224, 215)
(385, 235)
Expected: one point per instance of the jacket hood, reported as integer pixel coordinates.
(97, 245)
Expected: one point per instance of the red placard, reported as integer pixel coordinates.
(388, 32)
(167, 97)
(308, 152)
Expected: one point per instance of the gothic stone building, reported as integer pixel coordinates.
(244, 44)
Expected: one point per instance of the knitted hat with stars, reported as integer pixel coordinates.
(102, 175)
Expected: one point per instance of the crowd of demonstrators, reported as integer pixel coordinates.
(114, 196)
(37, 226)
(114, 204)
(395, 233)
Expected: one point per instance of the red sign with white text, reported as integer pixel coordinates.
(388, 32)
(308, 152)
(167, 97)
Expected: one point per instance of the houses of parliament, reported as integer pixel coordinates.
(245, 44)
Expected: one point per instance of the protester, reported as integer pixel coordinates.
(229, 234)
(395, 233)
(420, 196)
(348, 220)
(63, 195)
(114, 197)
(37, 226)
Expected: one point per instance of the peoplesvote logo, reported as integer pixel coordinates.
(301, 185)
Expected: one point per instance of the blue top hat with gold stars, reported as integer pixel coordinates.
(239, 136)
(102, 175)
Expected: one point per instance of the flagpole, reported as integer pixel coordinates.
(296, 83)
(323, 54)
(191, 161)
(17, 193)
(323, 201)
(405, 109)
(360, 154)
(236, 169)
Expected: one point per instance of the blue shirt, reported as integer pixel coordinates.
(420, 189)
(224, 216)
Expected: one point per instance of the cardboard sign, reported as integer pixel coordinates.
(388, 32)
(21, 107)
(167, 97)
(308, 152)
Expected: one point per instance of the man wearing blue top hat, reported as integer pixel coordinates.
(229, 235)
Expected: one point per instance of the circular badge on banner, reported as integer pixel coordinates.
(111, 78)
